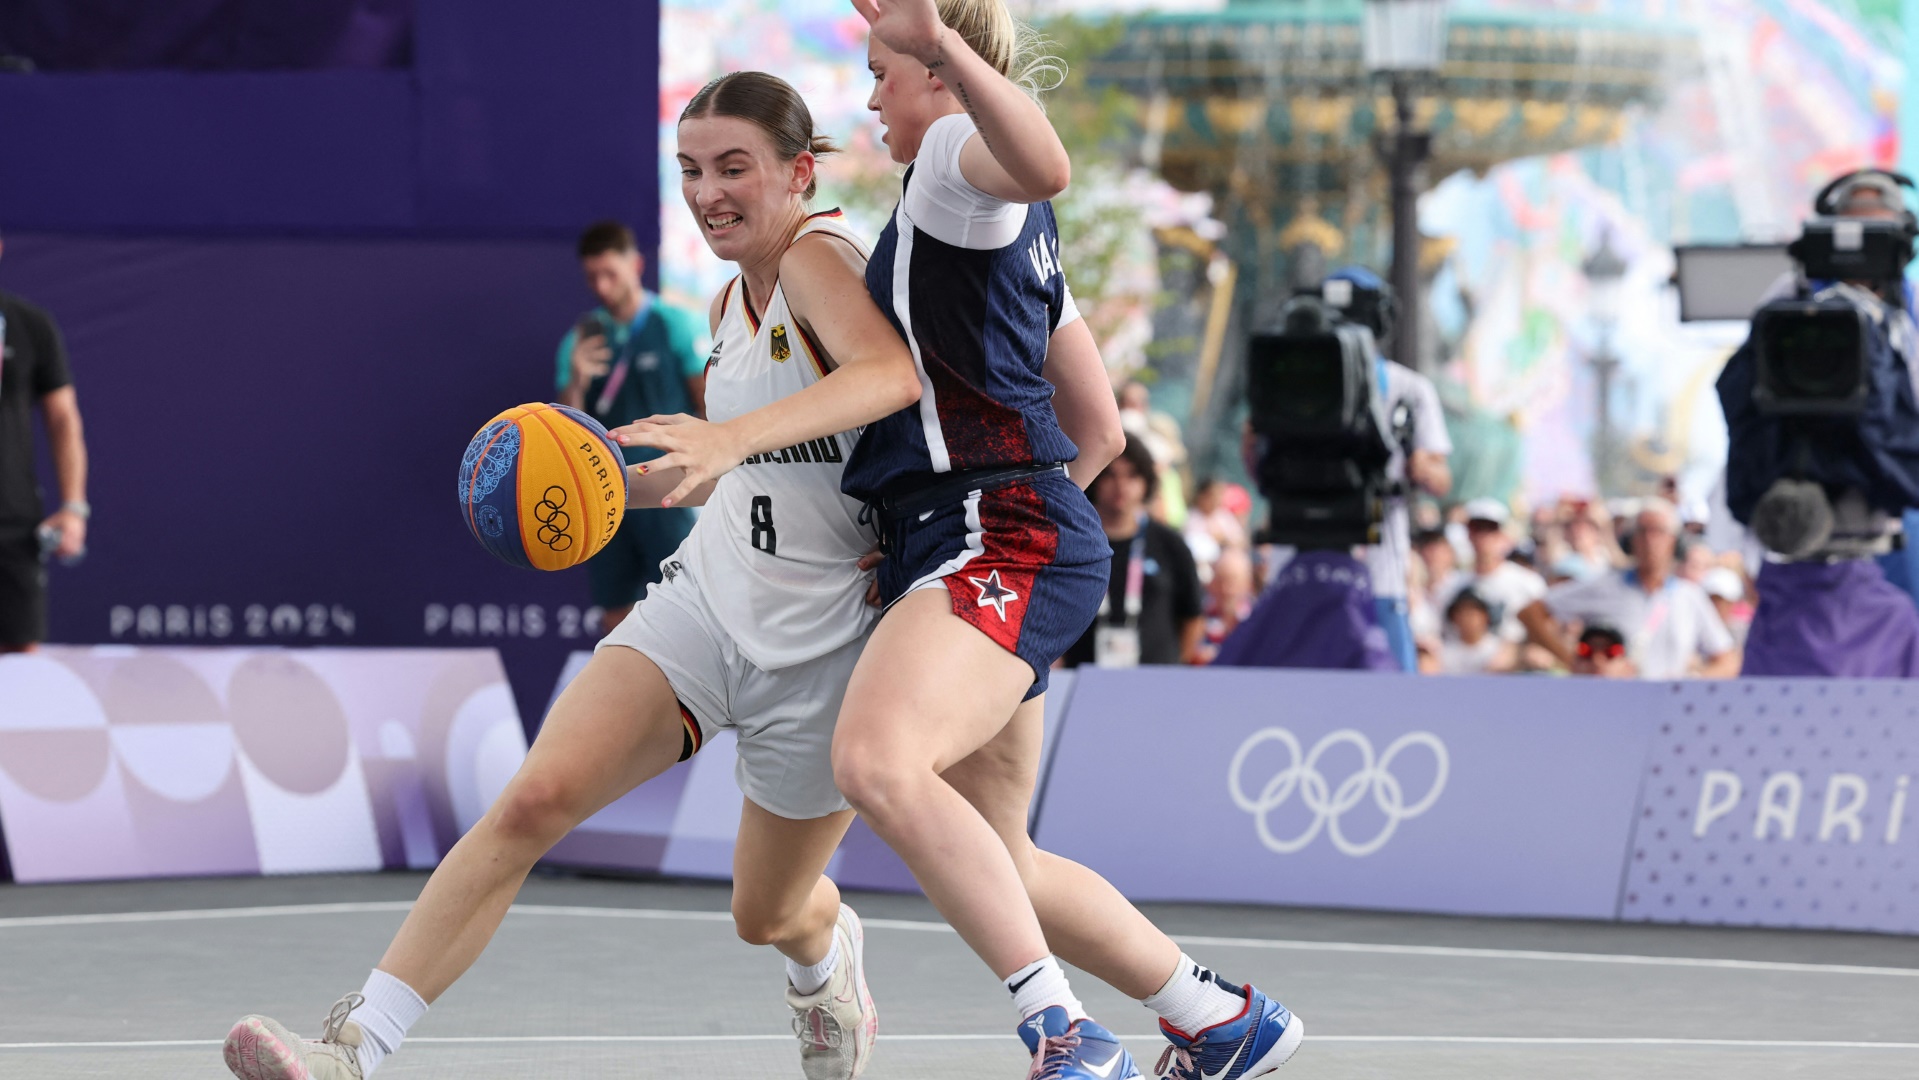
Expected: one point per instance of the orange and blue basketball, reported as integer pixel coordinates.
(543, 486)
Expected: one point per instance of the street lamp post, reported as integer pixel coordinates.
(1605, 271)
(1405, 41)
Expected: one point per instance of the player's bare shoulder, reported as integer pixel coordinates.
(821, 266)
(823, 277)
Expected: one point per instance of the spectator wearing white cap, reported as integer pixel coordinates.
(1671, 627)
(1505, 586)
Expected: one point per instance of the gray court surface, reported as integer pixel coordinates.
(597, 978)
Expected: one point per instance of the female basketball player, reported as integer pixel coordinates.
(995, 562)
(756, 626)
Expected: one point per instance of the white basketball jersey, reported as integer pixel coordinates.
(776, 549)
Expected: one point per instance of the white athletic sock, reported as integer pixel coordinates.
(391, 1008)
(1193, 999)
(1042, 985)
(808, 980)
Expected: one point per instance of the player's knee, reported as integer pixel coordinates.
(535, 809)
(762, 927)
(871, 782)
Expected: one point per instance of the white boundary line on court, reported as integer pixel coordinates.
(1468, 1040)
(1364, 948)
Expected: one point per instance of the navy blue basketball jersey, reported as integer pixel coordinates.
(977, 322)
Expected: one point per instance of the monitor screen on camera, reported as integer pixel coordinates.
(1727, 283)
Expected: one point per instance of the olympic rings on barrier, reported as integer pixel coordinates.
(1330, 805)
(553, 521)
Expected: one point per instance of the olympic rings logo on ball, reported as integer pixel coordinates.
(553, 521)
(1329, 804)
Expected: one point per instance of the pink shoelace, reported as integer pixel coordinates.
(818, 1028)
(1054, 1054)
(1181, 1058)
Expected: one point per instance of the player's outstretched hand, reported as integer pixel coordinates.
(909, 27)
(705, 451)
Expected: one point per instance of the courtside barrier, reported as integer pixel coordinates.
(1760, 802)
(118, 762)
(1475, 796)
(1780, 802)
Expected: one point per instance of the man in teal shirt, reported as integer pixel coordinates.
(632, 356)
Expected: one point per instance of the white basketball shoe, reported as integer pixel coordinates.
(260, 1048)
(837, 1024)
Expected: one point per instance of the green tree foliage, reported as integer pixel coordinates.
(1101, 229)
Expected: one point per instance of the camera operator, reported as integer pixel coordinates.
(1822, 418)
(1418, 463)
(1321, 445)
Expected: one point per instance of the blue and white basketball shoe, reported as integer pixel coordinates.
(1254, 1043)
(1067, 1050)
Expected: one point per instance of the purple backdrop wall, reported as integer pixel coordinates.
(275, 430)
(514, 119)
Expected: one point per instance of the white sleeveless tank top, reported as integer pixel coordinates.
(775, 550)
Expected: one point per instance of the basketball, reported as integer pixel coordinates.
(543, 486)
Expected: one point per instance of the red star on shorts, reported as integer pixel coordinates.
(993, 594)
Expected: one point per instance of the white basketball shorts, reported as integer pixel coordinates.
(784, 718)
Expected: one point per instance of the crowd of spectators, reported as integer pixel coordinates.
(1625, 588)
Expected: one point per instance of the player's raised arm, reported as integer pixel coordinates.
(1016, 156)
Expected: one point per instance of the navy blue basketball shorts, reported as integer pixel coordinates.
(1026, 564)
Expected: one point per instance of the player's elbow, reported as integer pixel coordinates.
(903, 388)
(1051, 180)
(1104, 442)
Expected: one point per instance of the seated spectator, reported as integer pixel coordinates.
(1548, 537)
(1436, 554)
(1671, 630)
(1229, 598)
(1567, 568)
(1592, 549)
(1470, 646)
(1211, 529)
(1602, 652)
(1696, 560)
(1152, 610)
(1161, 435)
(1505, 586)
(1423, 613)
(1729, 597)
